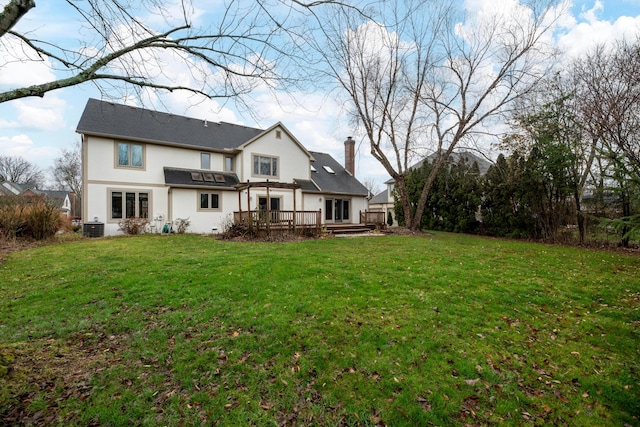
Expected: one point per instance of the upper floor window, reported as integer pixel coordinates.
(205, 161)
(228, 164)
(265, 166)
(130, 155)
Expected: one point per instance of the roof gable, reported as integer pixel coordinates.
(101, 118)
(283, 128)
(339, 181)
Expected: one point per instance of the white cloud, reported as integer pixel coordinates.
(199, 107)
(40, 114)
(584, 36)
(20, 66)
(590, 15)
(18, 145)
(22, 146)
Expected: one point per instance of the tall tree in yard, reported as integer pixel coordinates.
(21, 171)
(67, 173)
(609, 101)
(559, 146)
(432, 77)
(503, 208)
(454, 198)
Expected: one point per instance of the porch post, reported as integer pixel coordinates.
(249, 204)
(268, 211)
(294, 210)
(239, 207)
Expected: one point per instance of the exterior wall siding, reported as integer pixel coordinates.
(101, 175)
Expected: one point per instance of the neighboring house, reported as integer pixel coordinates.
(384, 201)
(164, 167)
(59, 198)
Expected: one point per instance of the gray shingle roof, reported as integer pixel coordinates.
(176, 177)
(122, 121)
(339, 182)
(307, 185)
(469, 157)
(380, 198)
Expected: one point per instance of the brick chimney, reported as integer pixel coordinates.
(350, 155)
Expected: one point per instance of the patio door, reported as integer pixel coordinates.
(274, 207)
(274, 204)
(337, 210)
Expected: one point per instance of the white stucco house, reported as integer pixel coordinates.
(163, 167)
(384, 201)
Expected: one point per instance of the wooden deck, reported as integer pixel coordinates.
(308, 223)
(293, 222)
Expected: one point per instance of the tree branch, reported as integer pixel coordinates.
(12, 13)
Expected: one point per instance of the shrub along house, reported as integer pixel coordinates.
(139, 163)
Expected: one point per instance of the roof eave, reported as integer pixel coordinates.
(156, 142)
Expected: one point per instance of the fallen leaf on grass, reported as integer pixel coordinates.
(426, 405)
(472, 382)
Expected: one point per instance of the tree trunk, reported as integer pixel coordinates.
(579, 216)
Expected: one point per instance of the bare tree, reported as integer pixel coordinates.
(551, 116)
(424, 77)
(20, 171)
(371, 185)
(252, 43)
(67, 173)
(609, 96)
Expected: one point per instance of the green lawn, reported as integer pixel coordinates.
(397, 330)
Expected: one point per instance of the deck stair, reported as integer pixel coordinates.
(349, 228)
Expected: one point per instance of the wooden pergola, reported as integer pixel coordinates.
(291, 220)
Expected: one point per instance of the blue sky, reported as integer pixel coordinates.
(37, 128)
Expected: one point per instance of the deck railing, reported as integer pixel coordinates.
(291, 221)
(372, 218)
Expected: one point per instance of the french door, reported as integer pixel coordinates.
(337, 210)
